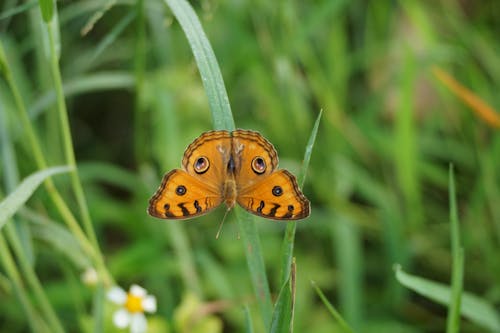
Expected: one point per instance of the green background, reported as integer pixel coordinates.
(378, 178)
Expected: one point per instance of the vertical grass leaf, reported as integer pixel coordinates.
(3, 61)
(282, 321)
(98, 308)
(348, 250)
(255, 263)
(344, 327)
(207, 64)
(47, 9)
(248, 320)
(405, 152)
(457, 251)
(289, 239)
(32, 316)
(309, 148)
(112, 36)
(474, 308)
(222, 119)
(23, 192)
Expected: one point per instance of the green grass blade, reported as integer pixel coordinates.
(223, 119)
(58, 238)
(248, 320)
(99, 9)
(18, 9)
(282, 321)
(309, 148)
(11, 179)
(84, 84)
(52, 29)
(475, 308)
(348, 250)
(23, 192)
(4, 70)
(112, 36)
(32, 279)
(32, 316)
(140, 59)
(289, 239)
(47, 8)
(342, 323)
(405, 147)
(180, 242)
(255, 263)
(207, 64)
(39, 157)
(19, 234)
(98, 309)
(453, 322)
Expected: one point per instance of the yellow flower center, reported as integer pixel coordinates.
(134, 304)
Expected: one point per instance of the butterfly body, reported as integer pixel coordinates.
(229, 167)
(229, 193)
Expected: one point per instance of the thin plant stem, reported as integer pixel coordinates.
(343, 326)
(34, 319)
(256, 265)
(457, 251)
(222, 117)
(33, 281)
(41, 163)
(181, 245)
(289, 239)
(67, 140)
(139, 67)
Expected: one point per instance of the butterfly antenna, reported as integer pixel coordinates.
(220, 225)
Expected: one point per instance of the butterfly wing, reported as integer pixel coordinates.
(277, 196)
(197, 188)
(182, 196)
(261, 189)
(215, 147)
(209, 165)
(248, 148)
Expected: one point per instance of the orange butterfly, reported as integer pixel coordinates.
(222, 166)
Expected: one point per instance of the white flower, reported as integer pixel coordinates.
(134, 304)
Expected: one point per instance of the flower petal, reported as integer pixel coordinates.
(149, 304)
(117, 295)
(121, 318)
(137, 291)
(138, 323)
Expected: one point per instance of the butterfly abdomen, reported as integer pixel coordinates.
(229, 193)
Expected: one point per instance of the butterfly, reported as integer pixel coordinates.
(229, 167)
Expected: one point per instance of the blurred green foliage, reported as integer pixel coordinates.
(377, 180)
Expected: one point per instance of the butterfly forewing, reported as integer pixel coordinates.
(255, 158)
(214, 147)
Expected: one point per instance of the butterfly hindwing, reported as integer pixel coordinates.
(182, 196)
(277, 196)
